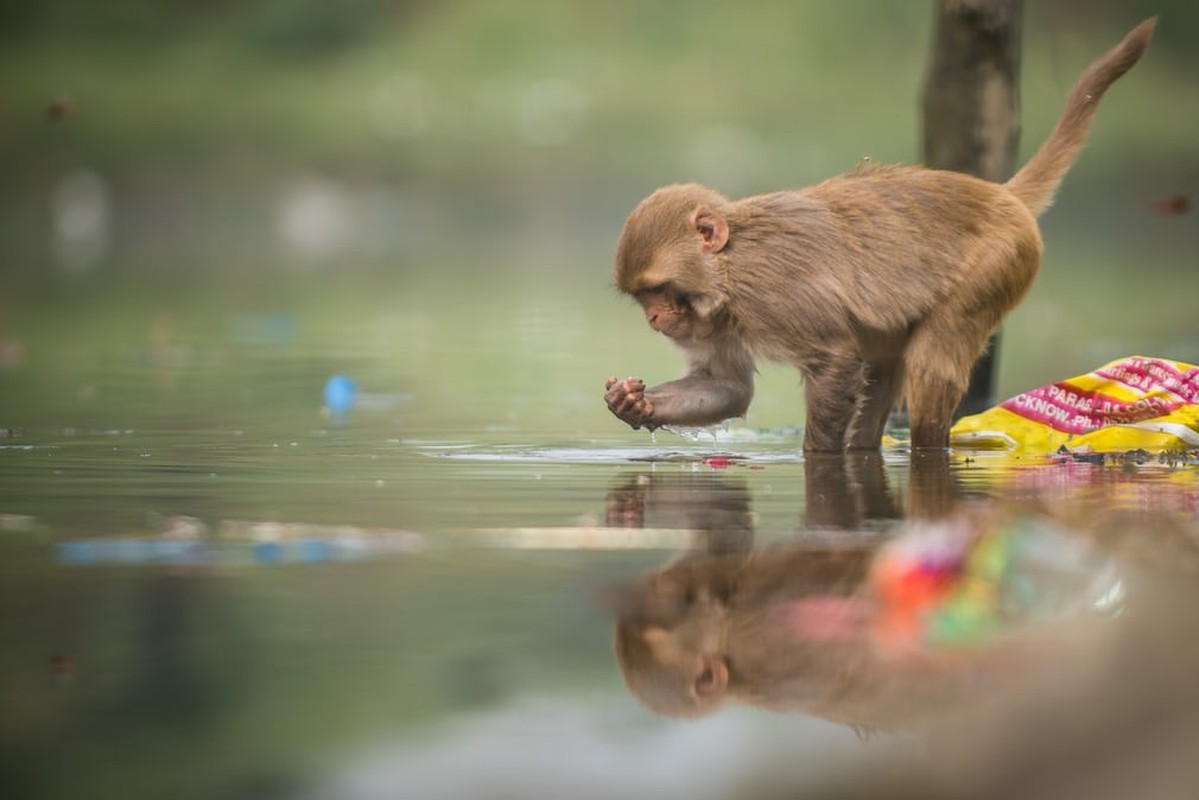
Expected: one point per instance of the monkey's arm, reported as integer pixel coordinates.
(692, 400)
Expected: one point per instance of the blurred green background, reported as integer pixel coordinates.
(446, 180)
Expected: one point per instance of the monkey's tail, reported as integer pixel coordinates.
(1037, 183)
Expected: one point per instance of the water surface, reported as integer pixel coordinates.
(214, 586)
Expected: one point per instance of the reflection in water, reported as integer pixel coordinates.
(716, 625)
(847, 491)
(1117, 716)
(169, 630)
(185, 541)
(175, 675)
(873, 637)
(1023, 649)
(715, 506)
(876, 632)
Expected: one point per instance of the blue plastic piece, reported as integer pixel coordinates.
(340, 394)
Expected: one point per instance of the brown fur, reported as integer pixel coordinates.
(720, 608)
(724, 616)
(876, 284)
(1105, 710)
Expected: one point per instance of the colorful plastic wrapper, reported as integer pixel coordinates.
(976, 578)
(1133, 403)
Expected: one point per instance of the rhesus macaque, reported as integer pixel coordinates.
(875, 633)
(711, 626)
(710, 629)
(784, 629)
(882, 283)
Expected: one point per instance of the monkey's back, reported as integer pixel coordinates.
(886, 245)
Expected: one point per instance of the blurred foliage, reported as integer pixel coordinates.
(270, 28)
(529, 126)
(475, 90)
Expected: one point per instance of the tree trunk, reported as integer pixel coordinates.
(971, 114)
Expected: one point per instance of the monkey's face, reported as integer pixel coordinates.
(670, 639)
(666, 258)
(668, 313)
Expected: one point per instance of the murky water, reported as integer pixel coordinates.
(213, 587)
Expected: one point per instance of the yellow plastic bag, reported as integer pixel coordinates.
(1134, 403)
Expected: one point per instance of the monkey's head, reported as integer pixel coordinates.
(669, 639)
(776, 629)
(667, 259)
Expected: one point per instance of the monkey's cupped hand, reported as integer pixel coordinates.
(626, 399)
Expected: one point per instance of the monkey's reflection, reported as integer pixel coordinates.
(796, 628)
(845, 491)
(842, 491)
(849, 490)
(715, 506)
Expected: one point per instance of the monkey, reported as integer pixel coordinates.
(1080, 727)
(880, 284)
(709, 629)
(715, 507)
(786, 628)
(713, 626)
(878, 632)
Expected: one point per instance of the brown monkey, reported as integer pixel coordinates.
(882, 282)
(785, 629)
(710, 629)
(848, 632)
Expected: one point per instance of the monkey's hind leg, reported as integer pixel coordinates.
(939, 358)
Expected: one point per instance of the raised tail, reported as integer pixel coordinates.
(1036, 183)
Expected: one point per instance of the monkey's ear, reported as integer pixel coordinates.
(712, 228)
(712, 678)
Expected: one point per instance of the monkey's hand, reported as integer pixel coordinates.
(695, 400)
(626, 399)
